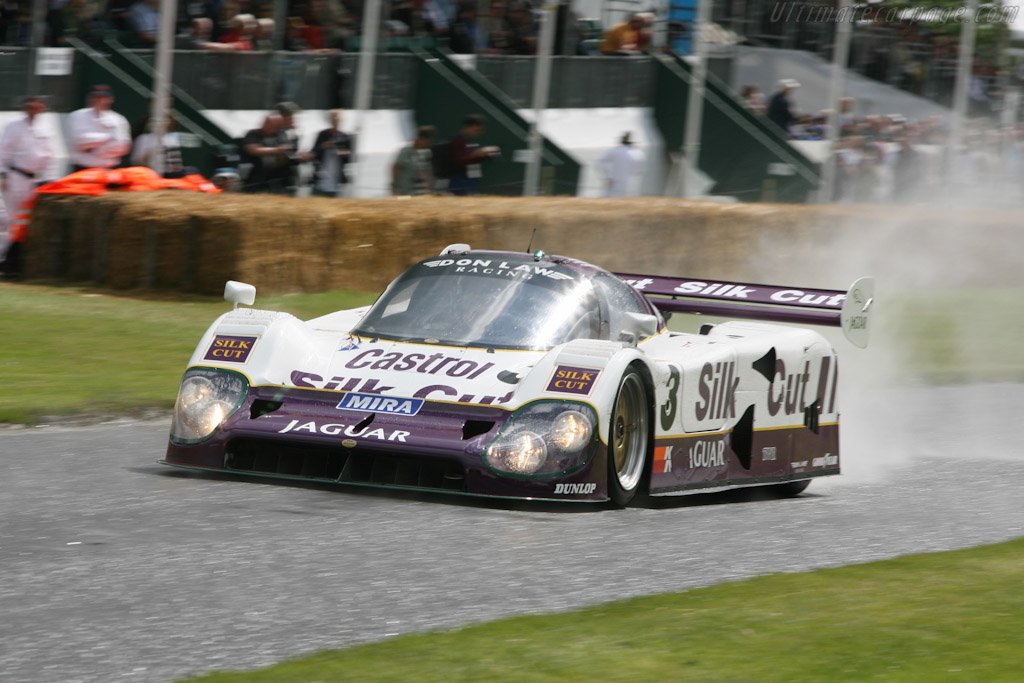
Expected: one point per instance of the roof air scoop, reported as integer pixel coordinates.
(456, 249)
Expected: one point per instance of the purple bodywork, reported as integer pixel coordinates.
(304, 436)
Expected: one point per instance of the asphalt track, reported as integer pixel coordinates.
(115, 568)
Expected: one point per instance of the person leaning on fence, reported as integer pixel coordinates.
(99, 135)
(412, 173)
(628, 38)
(25, 153)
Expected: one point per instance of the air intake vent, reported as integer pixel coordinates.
(476, 428)
(261, 407)
(317, 463)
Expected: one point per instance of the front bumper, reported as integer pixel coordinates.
(300, 434)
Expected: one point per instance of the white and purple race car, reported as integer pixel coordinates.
(525, 376)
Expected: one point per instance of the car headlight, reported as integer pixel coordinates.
(571, 431)
(205, 399)
(544, 439)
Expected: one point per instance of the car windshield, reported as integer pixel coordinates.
(493, 302)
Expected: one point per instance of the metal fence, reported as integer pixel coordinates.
(17, 74)
(256, 80)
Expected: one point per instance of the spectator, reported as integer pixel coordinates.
(197, 37)
(264, 9)
(522, 29)
(295, 36)
(226, 11)
(753, 99)
(423, 17)
(99, 135)
(144, 151)
(331, 153)
(25, 152)
(194, 9)
(412, 173)
(497, 36)
(847, 117)
(619, 165)
(288, 136)
(568, 41)
(466, 156)
(627, 38)
(267, 158)
(263, 40)
(780, 108)
(241, 32)
(119, 14)
(145, 21)
(325, 24)
(73, 19)
(465, 31)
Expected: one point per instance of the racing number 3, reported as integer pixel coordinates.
(669, 407)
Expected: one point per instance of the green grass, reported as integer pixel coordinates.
(959, 335)
(75, 352)
(72, 351)
(953, 616)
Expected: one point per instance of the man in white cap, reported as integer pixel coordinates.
(619, 165)
(780, 108)
(99, 135)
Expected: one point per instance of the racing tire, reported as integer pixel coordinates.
(628, 438)
(792, 488)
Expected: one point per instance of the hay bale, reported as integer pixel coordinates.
(194, 242)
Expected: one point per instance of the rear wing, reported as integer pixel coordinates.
(834, 308)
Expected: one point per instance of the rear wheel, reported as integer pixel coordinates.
(628, 439)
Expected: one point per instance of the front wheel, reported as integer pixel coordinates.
(792, 488)
(628, 439)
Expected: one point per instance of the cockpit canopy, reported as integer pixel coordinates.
(500, 300)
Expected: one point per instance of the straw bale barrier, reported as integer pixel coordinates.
(193, 242)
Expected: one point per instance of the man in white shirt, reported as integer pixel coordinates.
(25, 152)
(619, 165)
(144, 150)
(99, 135)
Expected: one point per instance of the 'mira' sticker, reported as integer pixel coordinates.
(375, 403)
(569, 379)
(230, 349)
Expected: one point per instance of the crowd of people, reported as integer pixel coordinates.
(271, 160)
(506, 27)
(890, 158)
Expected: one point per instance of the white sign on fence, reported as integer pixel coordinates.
(54, 61)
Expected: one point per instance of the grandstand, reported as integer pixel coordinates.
(419, 80)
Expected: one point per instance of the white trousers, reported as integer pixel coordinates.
(16, 190)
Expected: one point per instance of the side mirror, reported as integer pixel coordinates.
(239, 293)
(639, 326)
